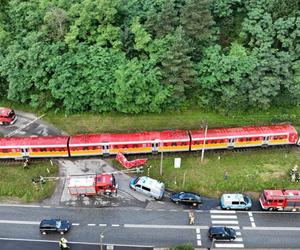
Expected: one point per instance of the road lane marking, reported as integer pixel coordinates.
(19, 222)
(229, 245)
(12, 205)
(91, 225)
(102, 225)
(222, 212)
(273, 228)
(238, 240)
(253, 224)
(115, 225)
(199, 243)
(224, 222)
(238, 233)
(165, 226)
(198, 237)
(223, 216)
(197, 230)
(75, 224)
(251, 219)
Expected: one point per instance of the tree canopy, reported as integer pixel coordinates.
(136, 56)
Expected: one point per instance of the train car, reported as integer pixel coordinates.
(174, 141)
(86, 145)
(252, 136)
(34, 147)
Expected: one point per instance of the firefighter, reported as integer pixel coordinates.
(191, 218)
(63, 244)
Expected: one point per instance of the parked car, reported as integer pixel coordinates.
(186, 198)
(221, 233)
(235, 201)
(54, 225)
(148, 186)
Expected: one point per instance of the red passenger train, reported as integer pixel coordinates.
(147, 142)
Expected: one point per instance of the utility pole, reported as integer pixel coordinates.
(204, 141)
(161, 162)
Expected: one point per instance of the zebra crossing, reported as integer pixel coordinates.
(227, 218)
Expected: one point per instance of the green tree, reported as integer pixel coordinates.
(138, 88)
(178, 69)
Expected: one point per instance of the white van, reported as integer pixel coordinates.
(235, 201)
(148, 186)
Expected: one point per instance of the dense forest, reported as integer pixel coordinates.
(136, 56)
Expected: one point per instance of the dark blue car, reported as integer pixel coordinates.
(221, 233)
(186, 198)
(54, 225)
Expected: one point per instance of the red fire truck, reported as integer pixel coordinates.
(7, 116)
(288, 200)
(88, 185)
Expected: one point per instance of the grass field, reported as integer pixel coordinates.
(248, 172)
(16, 182)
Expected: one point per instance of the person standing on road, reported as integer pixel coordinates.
(63, 244)
(191, 218)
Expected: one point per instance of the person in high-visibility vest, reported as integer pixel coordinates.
(63, 244)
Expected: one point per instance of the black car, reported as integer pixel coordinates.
(186, 198)
(221, 233)
(54, 225)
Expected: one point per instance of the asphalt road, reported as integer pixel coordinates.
(148, 227)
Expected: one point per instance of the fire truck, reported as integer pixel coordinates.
(7, 116)
(92, 185)
(287, 200)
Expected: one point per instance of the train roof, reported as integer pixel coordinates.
(130, 137)
(243, 131)
(34, 141)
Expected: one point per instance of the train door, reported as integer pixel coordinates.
(155, 147)
(266, 141)
(105, 149)
(24, 152)
(231, 143)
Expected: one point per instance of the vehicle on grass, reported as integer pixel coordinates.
(186, 198)
(55, 225)
(235, 201)
(221, 233)
(7, 116)
(148, 142)
(148, 186)
(281, 200)
(92, 185)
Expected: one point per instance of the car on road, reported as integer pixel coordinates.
(54, 225)
(236, 201)
(186, 198)
(7, 116)
(221, 233)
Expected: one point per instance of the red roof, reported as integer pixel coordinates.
(282, 194)
(34, 141)
(5, 111)
(243, 131)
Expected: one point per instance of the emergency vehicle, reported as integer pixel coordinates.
(104, 183)
(7, 116)
(288, 200)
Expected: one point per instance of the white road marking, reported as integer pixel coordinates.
(173, 210)
(253, 224)
(238, 233)
(223, 216)
(250, 213)
(46, 206)
(222, 212)
(197, 230)
(165, 226)
(229, 245)
(91, 225)
(198, 237)
(251, 219)
(19, 222)
(273, 228)
(238, 240)
(199, 243)
(75, 224)
(102, 225)
(12, 205)
(115, 225)
(224, 222)
(234, 227)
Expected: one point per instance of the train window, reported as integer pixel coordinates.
(183, 143)
(144, 145)
(275, 137)
(5, 150)
(85, 148)
(248, 139)
(196, 142)
(43, 149)
(174, 144)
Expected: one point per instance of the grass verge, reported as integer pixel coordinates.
(248, 172)
(16, 182)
